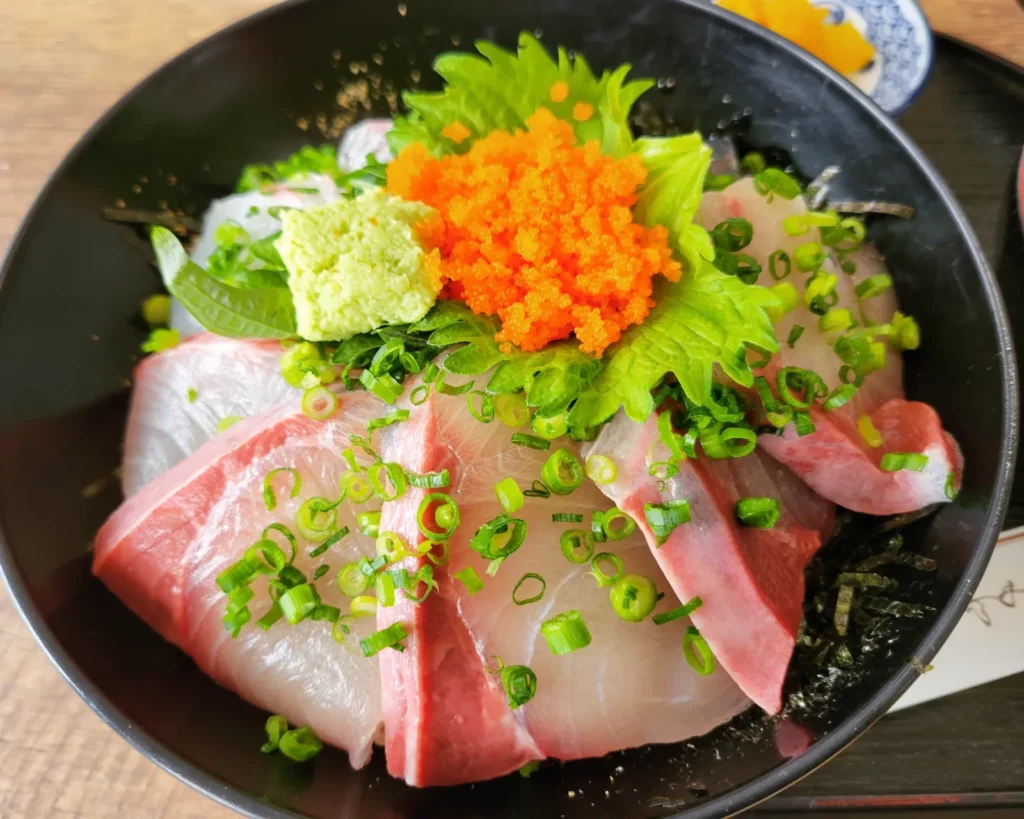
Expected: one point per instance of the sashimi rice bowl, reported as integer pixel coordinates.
(499, 436)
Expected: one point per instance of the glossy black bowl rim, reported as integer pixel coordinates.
(738, 799)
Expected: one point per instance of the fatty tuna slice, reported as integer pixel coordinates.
(836, 460)
(751, 581)
(162, 550)
(631, 686)
(229, 378)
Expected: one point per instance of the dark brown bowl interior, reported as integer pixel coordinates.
(72, 284)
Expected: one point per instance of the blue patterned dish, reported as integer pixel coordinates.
(904, 48)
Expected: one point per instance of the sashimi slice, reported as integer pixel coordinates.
(161, 551)
(165, 423)
(836, 460)
(631, 686)
(368, 136)
(251, 211)
(750, 580)
(446, 721)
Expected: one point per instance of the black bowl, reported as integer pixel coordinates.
(72, 284)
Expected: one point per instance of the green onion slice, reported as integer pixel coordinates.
(794, 335)
(425, 575)
(298, 602)
(803, 423)
(429, 480)
(357, 488)
(269, 498)
(363, 606)
(499, 538)
(308, 520)
(485, 412)
(684, 610)
(617, 525)
(758, 513)
(452, 389)
(380, 475)
(600, 576)
(351, 580)
(601, 470)
(396, 416)
(390, 637)
(520, 684)
(779, 265)
(241, 574)
(552, 427)
(470, 579)
(874, 286)
(565, 632)
(897, 461)
(562, 472)
(537, 490)
(839, 396)
(368, 523)
(531, 441)
(419, 395)
(577, 545)
(266, 557)
(698, 652)
(384, 386)
(275, 727)
(523, 601)
(567, 517)
(337, 535)
(738, 441)
(511, 409)
(446, 516)
(633, 597)
(300, 744)
(663, 518)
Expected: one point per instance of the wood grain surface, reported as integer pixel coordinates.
(61, 65)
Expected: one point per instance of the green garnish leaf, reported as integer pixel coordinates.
(706, 319)
(500, 89)
(221, 308)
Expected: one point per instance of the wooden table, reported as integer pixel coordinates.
(61, 65)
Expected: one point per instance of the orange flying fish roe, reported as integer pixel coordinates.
(559, 91)
(539, 231)
(456, 132)
(582, 111)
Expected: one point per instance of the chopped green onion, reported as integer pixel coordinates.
(384, 386)
(328, 613)
(351, 580)
(396, 416)
(874, 286)
(266, 556)
(531, 441)
(584, 433)
(283, 530)
(788, 300)
(597, 526)
(368, 523)
(904, 334)
(803, 423)
(567, 517)
(537, 490)
(714, 182)
(390, 637)
(470, 579)
(452, 389)
(550, 428)
(698, 652)
(363, 606)
(745, 441)
(562, 472)
(238, 575)
(897, 461)
(790, 379)
(839, 396)
(300, 744)
(429, 480)
(156, 310)
(601, 470)
(269, 499)
(836, 320)
(498, 538)
(663, 518)
(319, 403)
(795, 225)
(357, 488)
(273, 614)
(161, 339)
(821, 288)
(327, 544)
(779, 257)
(446, 516)
(229, 421)
(299, 602)
(485, 414)
(794, 335)
(511, 410)
(753, 163)
(533, 599)
(419, 395)
(384, 588)
(520, 684)
(617, 525)
(758, 513)
(394, 474)
(602, 578)
(321, 571)
(431, 373)
(577, 545)
(425, 575)
(732, 234)
(565, 632)
(391, 547)
(633, 597)
(437, 560)
(684, 610)
(950, 489)
(808, 257)
(306, 519)
(671, 440)
(869, 432)
(234, 620)
(773, 180)
(288, 577)
(275, 727)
